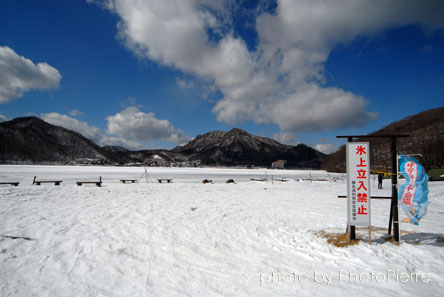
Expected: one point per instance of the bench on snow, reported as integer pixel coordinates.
(98, 183)
(281, 179)
(10, 183)
(123, 181)
(161, 180)
(259, 179)
(39, 182)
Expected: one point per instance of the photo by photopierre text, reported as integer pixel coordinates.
(343, 276)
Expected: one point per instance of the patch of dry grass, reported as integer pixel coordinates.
(337, 239)
(342, 240)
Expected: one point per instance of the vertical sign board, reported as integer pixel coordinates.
(358, 184)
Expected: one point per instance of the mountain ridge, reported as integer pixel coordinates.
(426, 137)
(238, 147)
(31, 140)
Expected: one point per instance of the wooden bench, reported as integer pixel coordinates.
(98, 183)
(281, 179)
(39, 182)
(161, 180)
(259, 179)
(123, 181)
(10, 183)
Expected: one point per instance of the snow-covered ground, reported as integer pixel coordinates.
(187, 238)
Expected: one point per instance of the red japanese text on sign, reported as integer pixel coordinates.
(409, 191)
(360, 150)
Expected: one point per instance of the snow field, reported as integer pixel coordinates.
(194, 239)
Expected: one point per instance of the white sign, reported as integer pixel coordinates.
(358, 184)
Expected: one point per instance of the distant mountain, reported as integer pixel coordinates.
(237, 147)
(31, 140)
(426, 131)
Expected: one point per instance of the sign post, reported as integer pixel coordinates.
(358, 184)
(394, 200)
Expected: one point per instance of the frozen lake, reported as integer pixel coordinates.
(194, 239)
(69, 174)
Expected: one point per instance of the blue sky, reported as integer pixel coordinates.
(150, 74)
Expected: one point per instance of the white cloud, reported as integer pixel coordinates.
(19, 75)
(134, 124)
(178, 137)
(326, 148)
(126, 143)
(68, 122)
(75, 113)
(281, 82)
(3, 118)
(131, 126)
(185, 83)
(285, 138)
(313, 108)
(88, 131)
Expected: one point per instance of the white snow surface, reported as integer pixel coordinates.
(187, 238)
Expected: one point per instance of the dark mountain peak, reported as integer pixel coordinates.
(202, 141)
(231, 138)
(238, 147)
(237, 134)
(212, 134)
(24, 121)
(27, 119)
(301, 146)
(32, 140)
(33, 123)
(237, 131)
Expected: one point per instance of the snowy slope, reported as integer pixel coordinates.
(194, 239)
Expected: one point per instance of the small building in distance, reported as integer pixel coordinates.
(156, 160)
(279, 164)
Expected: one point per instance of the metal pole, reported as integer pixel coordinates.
(352, 228)
(390, 218)
(392, 202)
(394, 209)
